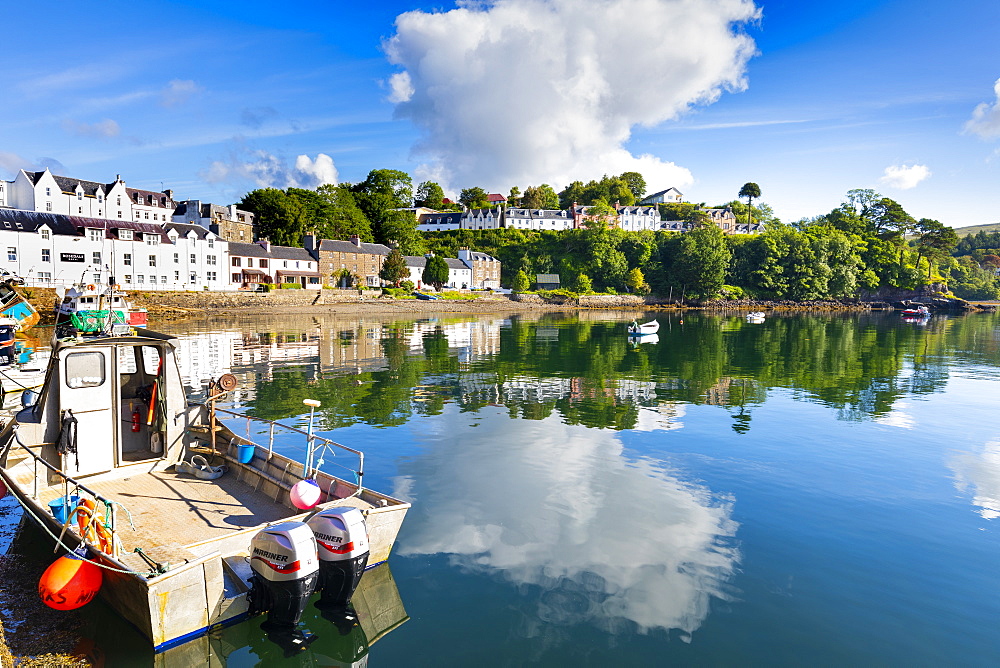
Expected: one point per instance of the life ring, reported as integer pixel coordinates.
(91, 528)
(91, 287)
(116, 287)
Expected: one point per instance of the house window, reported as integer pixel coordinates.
(45, 233)
(95, 235)
(46, 255)
(211, 275)
(152, 280)
(262, 264)
(177, 277)
(147, 215)
(48, 206)
(211, 242)
(45, 276)
(163, 279)
(152, 239)
(250, 262)
(152, 260)
(236, 262)
(11, 254)
(125, 235)
(128, 278)
(194, 278)
(128, 259)
(119, 200)
(48, 192)
(119, 213)
(100, 198)
(97, 258)
(209, 259)
(140, 279)
(177, 258)
(194, 259)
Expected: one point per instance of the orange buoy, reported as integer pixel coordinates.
(69, 583)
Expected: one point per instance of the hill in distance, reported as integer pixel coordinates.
(976, 229)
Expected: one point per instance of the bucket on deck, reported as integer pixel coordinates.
(62, 507)
(244, 452)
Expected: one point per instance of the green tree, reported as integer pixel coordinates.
(702, 261)
(751, 191)
(636, 282)
(935, 241)
(582, 284)
(540, 197)
(394, 268)
(342, 216)
(279, 217)
(520, 283)
(475, 198)
(379, 196)
(435, 272)
(429, 194)
(514, 198)
(635, 183)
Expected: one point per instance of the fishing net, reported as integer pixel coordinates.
(96, 321)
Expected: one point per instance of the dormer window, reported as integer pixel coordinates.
(95, 234)
(125, 235)
(100, 197)
(46, 234)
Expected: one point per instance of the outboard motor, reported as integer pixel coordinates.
(342, 540)
(285, 571)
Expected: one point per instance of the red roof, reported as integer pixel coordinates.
(496, 197)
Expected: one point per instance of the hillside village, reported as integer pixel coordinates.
(60, 230)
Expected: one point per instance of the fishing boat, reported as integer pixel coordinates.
(90, 309)
(646, 328)
(426, 297)
(20, 371)
(175, 503)
(14, 306)
(916, 312)
(756, 317)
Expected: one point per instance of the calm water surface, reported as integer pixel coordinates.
(820, 490)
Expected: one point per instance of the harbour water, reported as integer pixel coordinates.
(813, 489)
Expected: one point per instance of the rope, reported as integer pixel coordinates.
(58, 540)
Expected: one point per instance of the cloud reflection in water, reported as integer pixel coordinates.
(561, 508)
(981, 471)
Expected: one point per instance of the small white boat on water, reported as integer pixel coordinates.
(96, 309)
(651, 327)
(192, 525)
(756, 317)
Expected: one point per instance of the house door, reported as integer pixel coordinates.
(86, 391)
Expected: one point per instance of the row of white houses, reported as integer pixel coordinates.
(50, 249)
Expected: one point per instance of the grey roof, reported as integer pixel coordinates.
(644, 210)
(248, 250)
(415, 260)
(183, 229)
(30, 221)
(291, 253)
(157, 198)
(481, 257)
(456, 264)
(68, 184)
(442, 218)
(334, 246)
(538, 213)
(546, 278)
(662, 192)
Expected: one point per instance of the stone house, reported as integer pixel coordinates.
(363, 260)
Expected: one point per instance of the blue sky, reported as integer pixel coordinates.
(807, 99)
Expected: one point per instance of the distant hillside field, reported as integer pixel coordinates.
(975, 229)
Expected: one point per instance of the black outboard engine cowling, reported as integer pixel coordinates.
(342, 543)
(283, 559)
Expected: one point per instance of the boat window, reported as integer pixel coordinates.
(85, 369)
(150, 360)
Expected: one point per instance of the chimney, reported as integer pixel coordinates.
(265, 244)
(309, 242)
(169, 193)
(356, 240)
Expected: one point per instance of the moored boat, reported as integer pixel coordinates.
(916, 312)
(756, 317)
(172, 498)
(93, 309)
(424, 296)
(13, 305)
(651, 327)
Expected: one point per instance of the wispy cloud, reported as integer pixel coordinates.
(179, 91)
(739, 124)
(105, 129)
(985, 121)
(266, 170)
(904, 177)
(12, 162)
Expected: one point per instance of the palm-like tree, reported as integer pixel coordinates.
(751, 191)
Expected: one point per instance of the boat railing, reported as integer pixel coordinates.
(316, 449)
(71, 487)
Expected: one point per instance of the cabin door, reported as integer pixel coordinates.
(86, 389)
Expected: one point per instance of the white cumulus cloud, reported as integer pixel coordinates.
(985, 120)
(904, 177)
(266, 170)
(520, 92)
